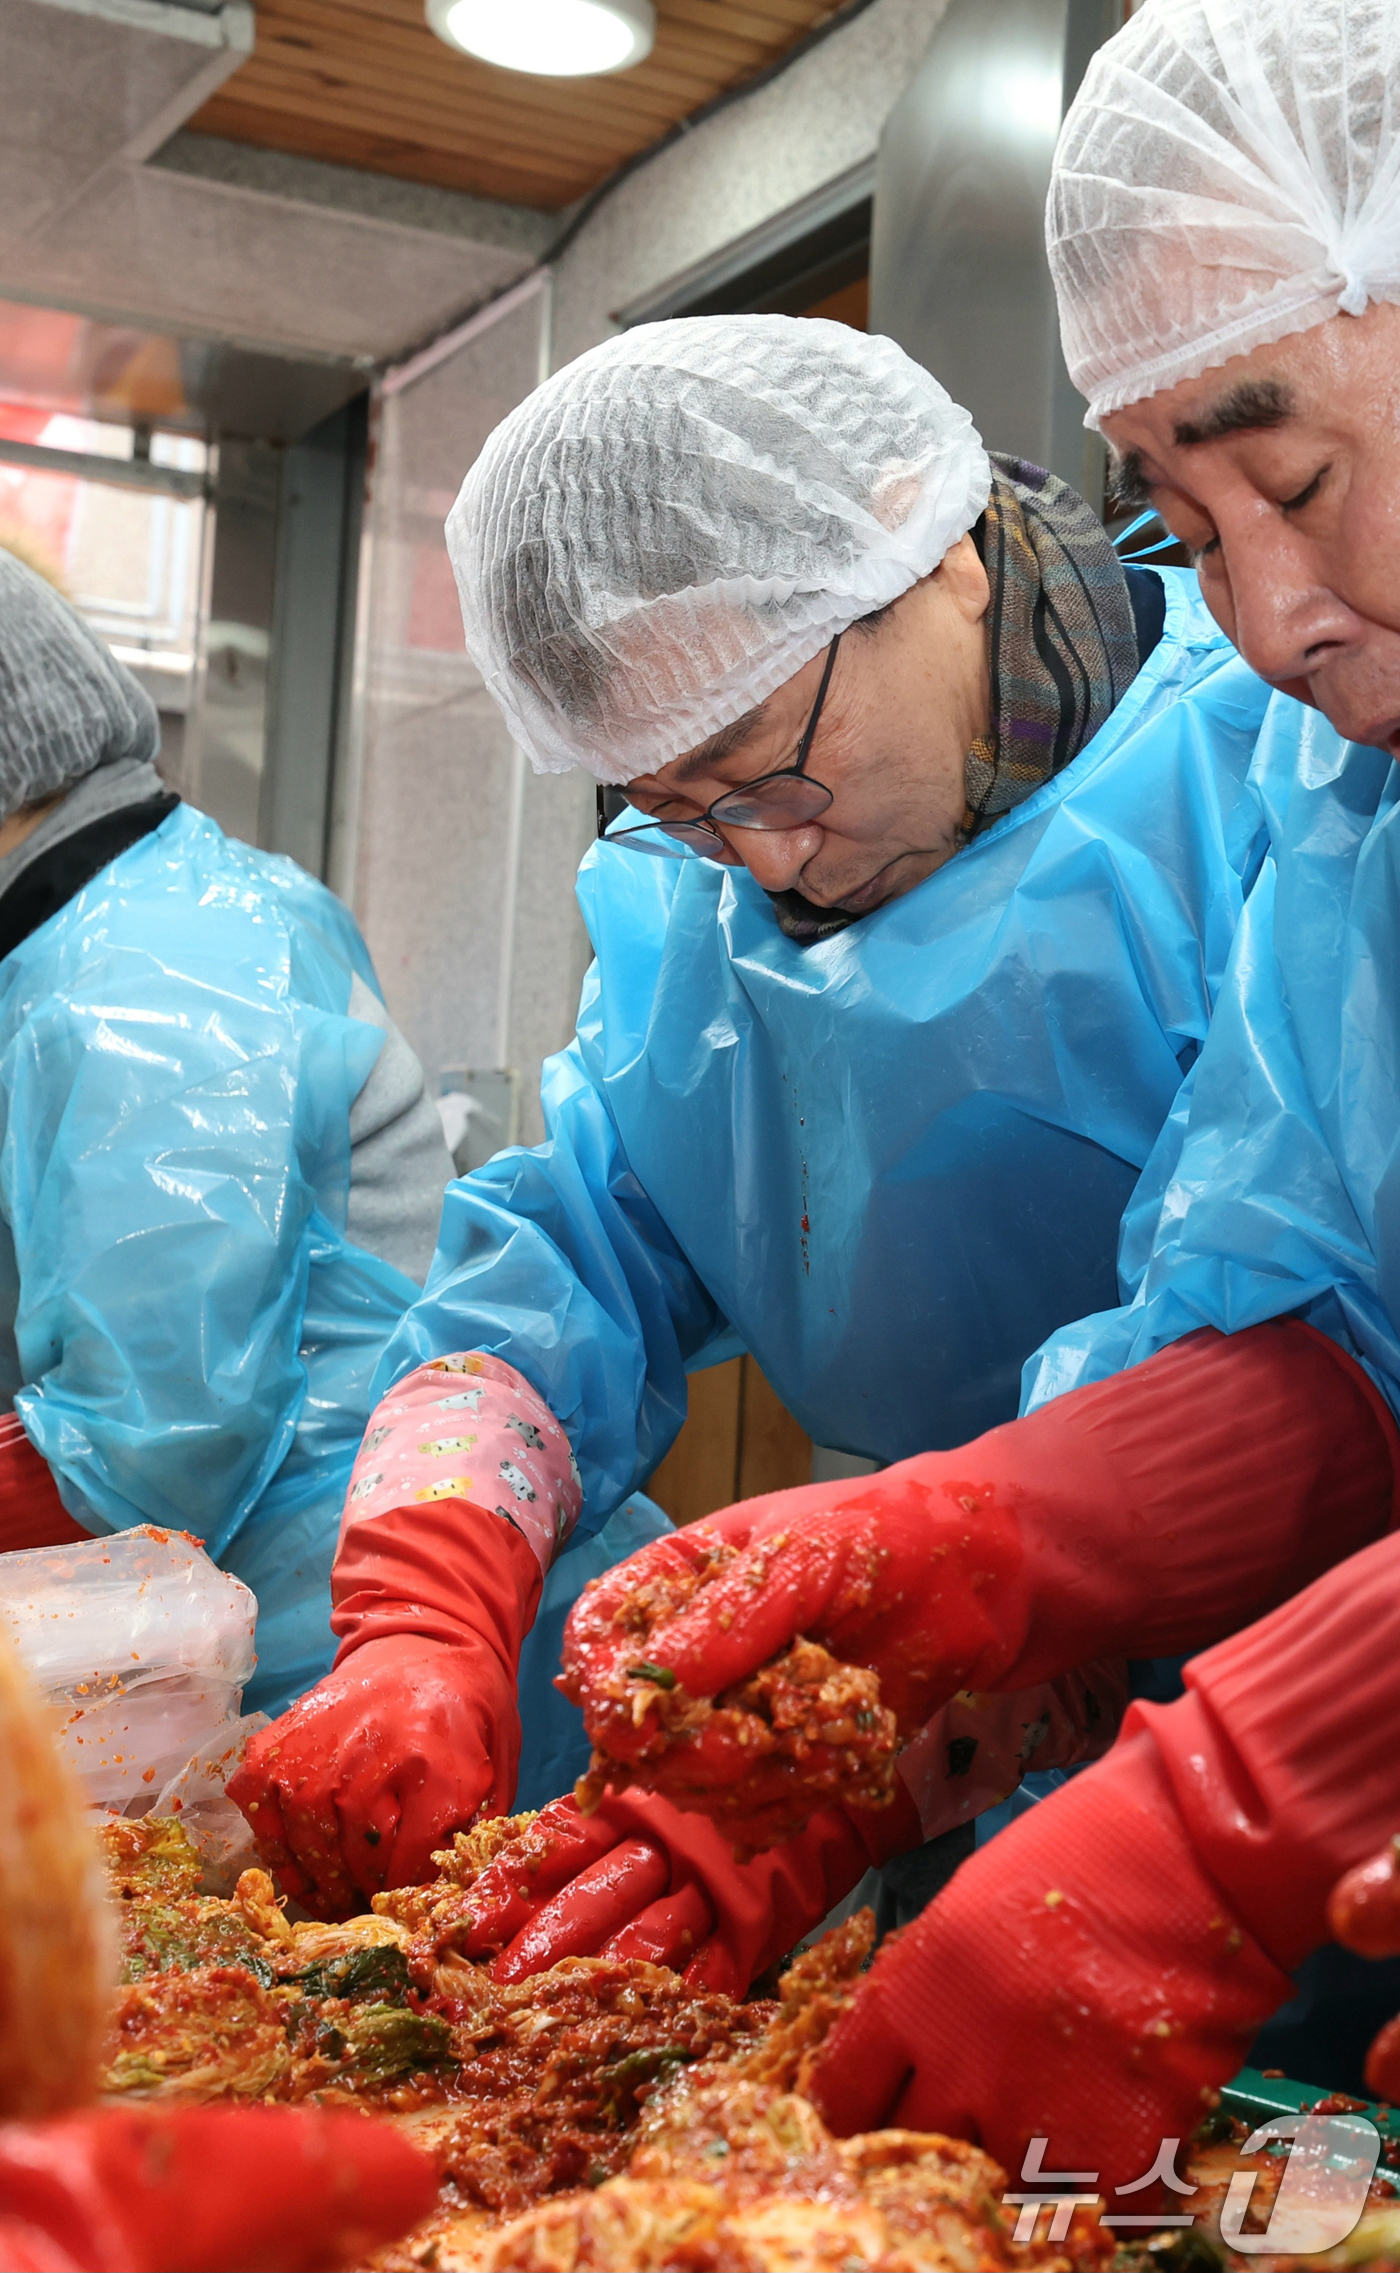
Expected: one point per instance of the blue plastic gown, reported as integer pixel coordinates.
(196, 1336)
(1275, 1187)
(889, 1164)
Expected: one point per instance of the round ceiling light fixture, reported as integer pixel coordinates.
(557, 39)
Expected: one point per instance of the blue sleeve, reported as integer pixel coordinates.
(1272, 1180)
(556, 1261)
(172, 1110)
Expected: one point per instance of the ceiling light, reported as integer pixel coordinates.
(559, 39)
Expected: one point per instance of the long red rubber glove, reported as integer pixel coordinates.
(1100, 1966)
(31, 1512)
(641, 1879)
(416, 1730)
(205, 2190)
(1139, 1517)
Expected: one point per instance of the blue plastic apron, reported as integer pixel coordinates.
(889, 1164)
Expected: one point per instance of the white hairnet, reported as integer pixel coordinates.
(1228, 173)
(67, 705)
(673, 525)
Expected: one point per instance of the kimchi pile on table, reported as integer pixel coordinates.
(597, 2115)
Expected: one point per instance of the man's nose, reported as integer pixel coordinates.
(1284, 620)
(775, 858)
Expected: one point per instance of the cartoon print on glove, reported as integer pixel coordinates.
(515, 1445)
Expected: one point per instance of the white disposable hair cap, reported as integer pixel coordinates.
(673, 525)
(1228, 173)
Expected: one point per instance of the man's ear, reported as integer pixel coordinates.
(964, 580)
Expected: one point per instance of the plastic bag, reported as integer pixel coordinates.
(209, 1818)
(141, 1645)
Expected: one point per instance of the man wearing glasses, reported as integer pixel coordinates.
(957, 819)
(776, 809)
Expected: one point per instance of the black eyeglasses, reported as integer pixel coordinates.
(784, 799)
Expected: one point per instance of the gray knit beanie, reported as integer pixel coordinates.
(66, 705)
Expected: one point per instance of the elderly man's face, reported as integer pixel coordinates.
(1281, 472)
(907, 699)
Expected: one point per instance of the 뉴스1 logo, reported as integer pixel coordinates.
(1321, 2195)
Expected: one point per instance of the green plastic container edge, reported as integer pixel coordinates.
(1257, 2098)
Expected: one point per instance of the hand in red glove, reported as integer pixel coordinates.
(407, 1740)
(205, 2190)
(1364, 1914)
(1135, 1518)
(31, 1512)
(1363, 1909)
(639, 1879)
(1100, 1966)
(416, 1731)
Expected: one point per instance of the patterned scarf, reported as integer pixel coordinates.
(1060, 636)
(1062, 646)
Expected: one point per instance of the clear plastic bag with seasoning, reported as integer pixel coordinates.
(141, 1646)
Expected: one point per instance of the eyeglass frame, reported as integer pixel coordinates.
(705, 820)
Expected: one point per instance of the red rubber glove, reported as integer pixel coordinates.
(1100, 1966)
(463, 1489)
(205, 2190)
(31, 1512)
(416, 1730)
(1138, 1517)
(1364, 1914)
(1363, 1909)
(641, 1879)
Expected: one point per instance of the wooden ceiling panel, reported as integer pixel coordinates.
(365, 83)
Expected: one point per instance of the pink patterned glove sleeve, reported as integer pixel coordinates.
(471, 1428)
(974, 1752)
